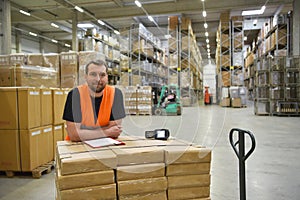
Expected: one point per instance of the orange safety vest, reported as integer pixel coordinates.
(87, 108)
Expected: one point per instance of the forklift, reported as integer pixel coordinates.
(166, 100)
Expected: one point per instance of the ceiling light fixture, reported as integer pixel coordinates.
(205, 25)
(87, 25)
(116, 32)
(79, 9)
(207, 46)
(100, 22)
(137, 3)
(207, 40)
(150, 18)
(24, 12)
(206, 34)
(254, 12)
(204, 13)
(54, 25)
(54, 41)
(33, 34)
(67, 45)
(208, 50)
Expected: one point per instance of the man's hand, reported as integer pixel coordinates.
(113, 131)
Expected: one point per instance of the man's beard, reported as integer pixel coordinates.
(98, 89)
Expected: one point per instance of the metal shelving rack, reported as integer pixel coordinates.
(282, 85)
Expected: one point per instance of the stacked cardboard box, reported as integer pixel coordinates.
(134, 171)
(138, 100)
(188, 172)
(26, 128)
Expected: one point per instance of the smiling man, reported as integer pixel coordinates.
(95, 109)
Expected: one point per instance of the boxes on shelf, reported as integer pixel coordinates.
(226, 78)
(5, 76)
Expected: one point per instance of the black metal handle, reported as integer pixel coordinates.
(241, 155)
(241, 143)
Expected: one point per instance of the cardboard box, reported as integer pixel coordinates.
(173, 22)
(236, 102)
(58, 101)
(10, 158)
(84, 179)
(187, 169)
(226, 78)
(139, 155)
(69, 69)
(77, 163)
(142, 186)
(188, 193)
(35, 59)
(30, 146)
(34, 76)
(225, 102)
(185, 181)
(9, 108)
(140, 171)
(29, 104)
(103, 192)
(186, 154)
(5, 76)
(147, 196)
(46, 107)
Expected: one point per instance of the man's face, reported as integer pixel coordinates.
(96, 78)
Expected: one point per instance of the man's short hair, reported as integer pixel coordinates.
(96, 62)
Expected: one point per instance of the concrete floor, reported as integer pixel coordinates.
(272, 170)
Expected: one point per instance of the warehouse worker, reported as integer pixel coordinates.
(95, 109)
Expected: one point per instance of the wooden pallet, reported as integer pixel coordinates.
(36, 173)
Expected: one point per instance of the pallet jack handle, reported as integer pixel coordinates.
(240, 152)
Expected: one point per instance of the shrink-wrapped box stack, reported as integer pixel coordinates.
(139, 170)
(69, 69)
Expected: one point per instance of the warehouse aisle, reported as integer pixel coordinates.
(272, 170)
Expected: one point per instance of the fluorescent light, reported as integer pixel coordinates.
(67, 45)
(208, 50)
(207, 46)
(254, 12)
(205, 25)
(24, 12)
(87, 25)
(54, 41)
(202, 0)
(101, 22)
(245, 38)
(116, 32)
(137, 3)
(150, 18)
(207, 40)
(204, 13)
(33, 34)
(206, 34)
(79, 9)
(54, 25)
(255, 22)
